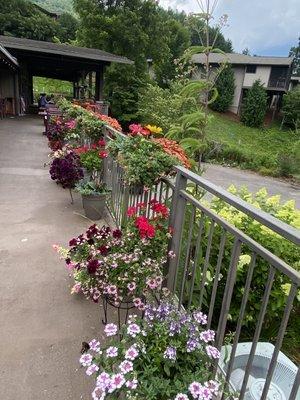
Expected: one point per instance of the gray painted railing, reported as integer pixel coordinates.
(201, 275)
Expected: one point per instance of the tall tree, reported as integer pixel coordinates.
(198, 35)
(255, 105)
(295, 52)
(21, 18)
(225, 87)
(139, 30)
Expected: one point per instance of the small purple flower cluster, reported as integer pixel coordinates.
(118, 365)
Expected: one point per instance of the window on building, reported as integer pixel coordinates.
(251, 69)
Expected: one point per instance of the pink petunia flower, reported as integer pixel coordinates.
(92, 369)
(111, 352)
(86, 360)
(132, 353)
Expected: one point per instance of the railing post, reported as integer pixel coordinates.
(105, 160)
(176, 224)
(125, 205)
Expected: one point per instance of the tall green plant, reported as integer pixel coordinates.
(291, 109)
(225, 87)
(255, 105)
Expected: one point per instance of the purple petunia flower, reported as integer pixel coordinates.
(195, 389)
(170, 353)
(91, 369)
(212, 352)
(111, 329)
(132, 384)
(191, 345)
(117, 381)
(131, 353)
(95, 345)
(92, 266)
(103, 381)
(98, 394)
(181, 396)
(200, 317)
(111, 352)
(126, 366)
(86, 360)
(133, 330)
(207, 336)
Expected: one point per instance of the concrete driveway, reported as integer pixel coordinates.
(42, 324)
(225, 176)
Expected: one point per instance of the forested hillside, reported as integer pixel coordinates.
(57, 6)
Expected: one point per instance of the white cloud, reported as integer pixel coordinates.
(257, 24)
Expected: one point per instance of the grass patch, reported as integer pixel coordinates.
(51, 86)
(249, 148)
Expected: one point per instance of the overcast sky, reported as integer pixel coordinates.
(266, 27)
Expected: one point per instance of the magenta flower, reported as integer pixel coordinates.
(111, 329)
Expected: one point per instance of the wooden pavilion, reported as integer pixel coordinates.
(22, 59)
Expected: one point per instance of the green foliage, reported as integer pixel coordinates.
(139, 30)
(231, 142)
(291, 108)
(254, 105)
(56, 6)
(51, 86)
(295, 52)
(91, 160)
(162, 106)
(284, 249)
(68, 26)
(197, 29)
(225, 88)
(87, 188)
(144, 161)
(20, 18)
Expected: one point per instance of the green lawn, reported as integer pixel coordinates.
(51, 86)
(266, 150)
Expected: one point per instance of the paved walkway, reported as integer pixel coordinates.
(41, 324)
(225, 176)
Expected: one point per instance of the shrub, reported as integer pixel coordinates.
(162, 106)
(291, 108)
(225, 87)
(282, 248)
(255, 105)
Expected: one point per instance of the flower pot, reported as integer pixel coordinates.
(94, 205)
(86, 174)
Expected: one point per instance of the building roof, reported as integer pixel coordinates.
(235, 58)
(6, 54)
(38, 46)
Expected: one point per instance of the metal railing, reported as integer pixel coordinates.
(206, 273)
